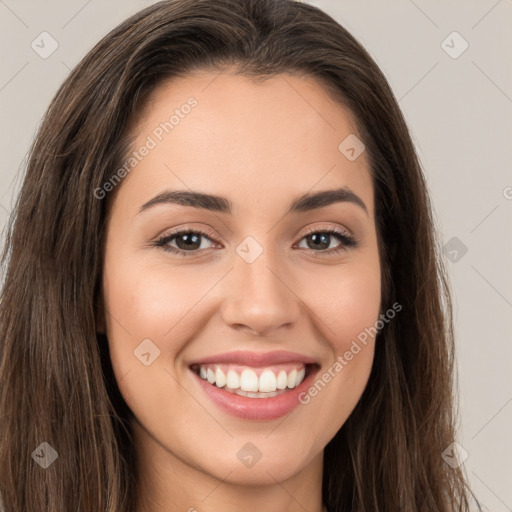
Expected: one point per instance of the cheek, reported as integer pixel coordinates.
(134, 310)
(150, 301)
(147, 298)
(355, 310)
(345, 302)
(142, 310)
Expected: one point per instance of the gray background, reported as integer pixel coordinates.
(459, 113)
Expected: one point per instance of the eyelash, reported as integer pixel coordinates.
(347, 241)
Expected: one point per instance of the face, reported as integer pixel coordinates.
(259, 292)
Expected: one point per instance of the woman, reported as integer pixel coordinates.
(178, 331)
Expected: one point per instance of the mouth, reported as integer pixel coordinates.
(254, 382)
(255, 392)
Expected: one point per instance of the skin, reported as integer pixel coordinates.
(261, 145)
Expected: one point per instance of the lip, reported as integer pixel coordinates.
(256, 408)
(256, 359)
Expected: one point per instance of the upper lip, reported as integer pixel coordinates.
(247, 358)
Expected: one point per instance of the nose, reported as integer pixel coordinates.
(259, 297)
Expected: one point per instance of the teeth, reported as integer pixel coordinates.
(292, 378)
(282, 380)
(252, 394)
(220, 378)
(232, 379)
(247, 383)
(249, 380)
(300, 375)
(267, 381)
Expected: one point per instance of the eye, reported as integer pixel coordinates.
(187, 241)
(190, 241)
(320, 239)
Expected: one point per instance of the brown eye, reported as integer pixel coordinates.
(187, 241)
(319, 241)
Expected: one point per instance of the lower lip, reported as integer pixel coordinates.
(256, 408)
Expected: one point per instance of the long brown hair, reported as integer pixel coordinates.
(56, 379)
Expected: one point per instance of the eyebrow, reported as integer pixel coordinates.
(306, 202)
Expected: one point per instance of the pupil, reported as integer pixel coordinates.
(189, 239)
(320, 239)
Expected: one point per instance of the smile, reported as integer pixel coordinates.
(254, 386)
(253, 382)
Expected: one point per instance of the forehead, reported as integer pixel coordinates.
(247, 139)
